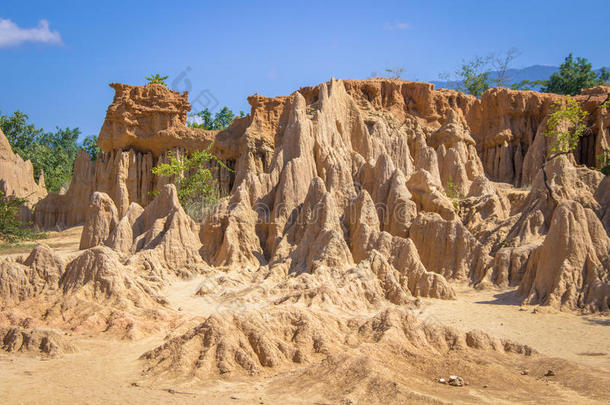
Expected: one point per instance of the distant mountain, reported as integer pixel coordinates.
(535, 72)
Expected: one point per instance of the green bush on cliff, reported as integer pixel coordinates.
(198, 191)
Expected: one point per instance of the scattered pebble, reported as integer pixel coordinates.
(234, 397)
(453, 380)
(549, 373)
(525, 372)
(456, 381)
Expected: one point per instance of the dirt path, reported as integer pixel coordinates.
(581, 338)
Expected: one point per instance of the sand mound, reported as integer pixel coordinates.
(36, 341)
(257, 341)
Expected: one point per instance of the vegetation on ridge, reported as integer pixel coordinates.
(157, 78)
(478, 74)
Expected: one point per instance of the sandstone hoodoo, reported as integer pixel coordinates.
(345, 210)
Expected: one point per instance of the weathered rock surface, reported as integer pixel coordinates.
(17, 178)
(149, 118)
(36, 341)
(21, 280)
(253, 341)
(572, 266)
(408, 186)
(102, 218)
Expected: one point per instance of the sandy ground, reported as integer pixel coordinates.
(581, 338)
(106, 370)
(65, 242)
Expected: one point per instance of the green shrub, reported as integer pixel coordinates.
(198, 191)
(157, 78)
(570, 114)
(604, 160)
(11, 229)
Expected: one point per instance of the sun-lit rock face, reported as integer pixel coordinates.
(17, 178)
(414, 186)
(344, 204)
(149, 118)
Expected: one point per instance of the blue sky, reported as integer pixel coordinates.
(58, 70)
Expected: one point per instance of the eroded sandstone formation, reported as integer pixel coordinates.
(345, 203)
(414, 183)
(17, 178)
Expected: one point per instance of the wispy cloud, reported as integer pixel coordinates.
(396, 26)
(12, 35)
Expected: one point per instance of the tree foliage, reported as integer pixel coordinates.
(90, 146)
(573, 76)
(197, 188)
(565, 124)
(221, 119)
(51, 153)
(157, 78)
(11, 229)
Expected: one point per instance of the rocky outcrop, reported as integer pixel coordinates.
(161, 234)
(412, 185)
(36, 341)
(448, 248)
(102, 218)
(149, 118)
(571, 268)
(17, 175)
(24, 279)
(250, 342)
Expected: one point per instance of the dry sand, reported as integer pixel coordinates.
(107, 370)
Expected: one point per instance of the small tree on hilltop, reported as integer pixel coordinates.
(157, 78)
(565, 125)
(395, 73)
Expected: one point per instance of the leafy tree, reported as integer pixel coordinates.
(197, 188)
(20, 134)
(573, 76)
(395, 73)
(528, 84)
(90, 146)
(11, 229)
(207, 122)
(473, 77)
(565, 125)
(157, 78)
(221, 119)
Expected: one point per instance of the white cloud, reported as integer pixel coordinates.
(396, 26)
(12, 35)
